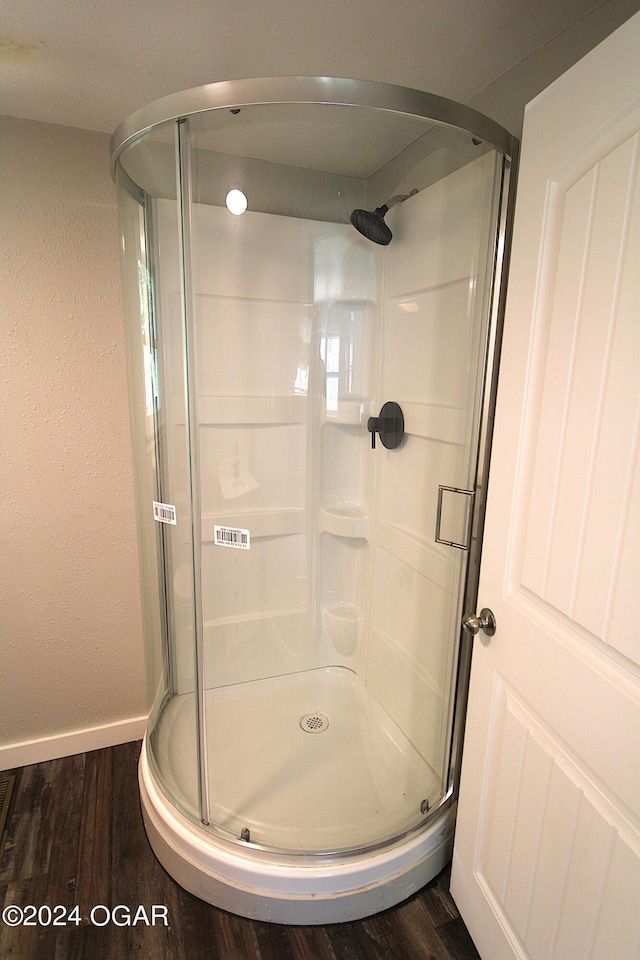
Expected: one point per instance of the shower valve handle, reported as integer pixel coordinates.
(373, 425)
(389, 425)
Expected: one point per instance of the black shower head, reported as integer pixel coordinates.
(371, 223)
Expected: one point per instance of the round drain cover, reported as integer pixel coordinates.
(314, 723)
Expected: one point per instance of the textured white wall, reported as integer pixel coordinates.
(70, 631)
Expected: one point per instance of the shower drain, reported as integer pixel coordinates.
(314, 723)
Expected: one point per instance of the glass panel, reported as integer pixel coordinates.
(330, 614)
(150, 232)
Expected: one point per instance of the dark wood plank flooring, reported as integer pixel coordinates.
(74, 835)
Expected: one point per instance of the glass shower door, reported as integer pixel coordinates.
(330, 603)
(157, 367)
(433, 348)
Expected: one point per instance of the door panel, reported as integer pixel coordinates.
(547, 854)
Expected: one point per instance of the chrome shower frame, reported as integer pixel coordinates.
(235, 94)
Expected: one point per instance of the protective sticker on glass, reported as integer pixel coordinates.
(231, 537)
(164, 512)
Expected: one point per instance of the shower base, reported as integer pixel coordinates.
(307, 762)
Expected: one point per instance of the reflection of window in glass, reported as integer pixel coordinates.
(332, 393)
(301, 385)
(350, 368)
(330, 353)
(332, 359)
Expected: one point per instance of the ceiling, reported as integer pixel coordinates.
(87, 63)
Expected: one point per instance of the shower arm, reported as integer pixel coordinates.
(399, 198)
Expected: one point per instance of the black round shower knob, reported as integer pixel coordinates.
(389, 425)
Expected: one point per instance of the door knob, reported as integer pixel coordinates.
(485, 621)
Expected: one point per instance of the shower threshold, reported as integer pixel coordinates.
(356, 782)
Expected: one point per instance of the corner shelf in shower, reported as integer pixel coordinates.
(346, 520)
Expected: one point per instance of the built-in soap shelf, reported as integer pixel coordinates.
(259, 523)
(348, 413)
(346, 520)
(213, 411)
(252, 410)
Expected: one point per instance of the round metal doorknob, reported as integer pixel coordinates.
(485, 621)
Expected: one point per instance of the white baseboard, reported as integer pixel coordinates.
(77, 741)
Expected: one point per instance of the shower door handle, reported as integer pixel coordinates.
(485, 621)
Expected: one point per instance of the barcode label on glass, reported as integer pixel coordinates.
(231, 537)
(164, 512)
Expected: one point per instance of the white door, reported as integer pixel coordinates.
(547, 854)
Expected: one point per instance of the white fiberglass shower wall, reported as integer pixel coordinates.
(304, 580)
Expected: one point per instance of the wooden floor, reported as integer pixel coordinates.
(74, 835)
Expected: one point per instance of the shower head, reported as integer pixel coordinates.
(370, 223)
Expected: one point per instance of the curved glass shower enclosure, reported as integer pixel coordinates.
(311, 272)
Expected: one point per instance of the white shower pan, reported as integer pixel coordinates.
(336, 789)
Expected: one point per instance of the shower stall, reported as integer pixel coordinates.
(312, 276)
